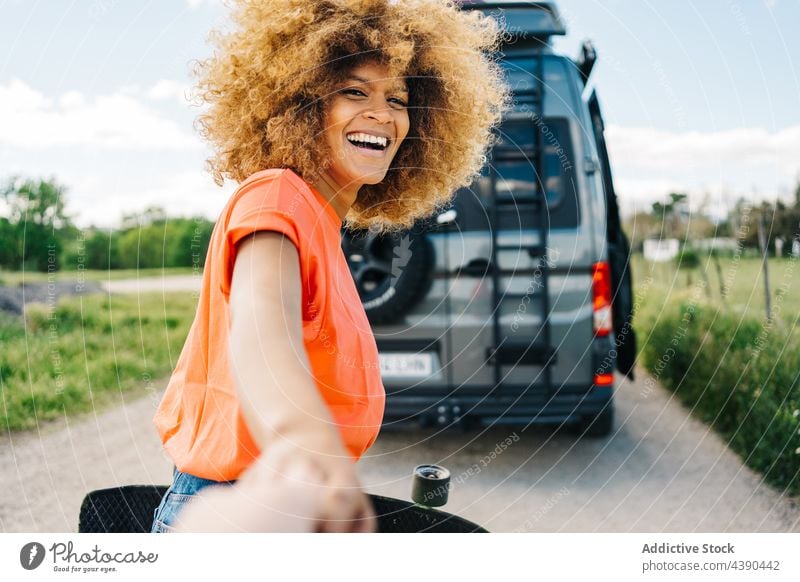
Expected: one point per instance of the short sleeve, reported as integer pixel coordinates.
(270, 205)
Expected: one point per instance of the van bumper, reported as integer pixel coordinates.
(507, 405)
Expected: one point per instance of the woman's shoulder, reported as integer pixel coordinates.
(284, 177)
(284, 190)
(272, 188)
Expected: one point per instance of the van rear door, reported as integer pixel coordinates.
(618, 254)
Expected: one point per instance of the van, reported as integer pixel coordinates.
(514, 305)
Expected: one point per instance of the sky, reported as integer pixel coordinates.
(700, 96)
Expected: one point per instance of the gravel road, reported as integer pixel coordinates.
(662, 471)
(167, 284)
(14, 298)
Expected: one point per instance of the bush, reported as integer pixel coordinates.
(688, 258)
(738, 374)
(178, 242)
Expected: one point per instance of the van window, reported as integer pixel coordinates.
(511, 159)
(520, 73)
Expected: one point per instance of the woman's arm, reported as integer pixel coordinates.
(278, 394)
(281, 404)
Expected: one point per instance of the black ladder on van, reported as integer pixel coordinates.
(536, 351)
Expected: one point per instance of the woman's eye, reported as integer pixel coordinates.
(360, 93)
(353, 92)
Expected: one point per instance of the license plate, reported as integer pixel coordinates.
(406, 365)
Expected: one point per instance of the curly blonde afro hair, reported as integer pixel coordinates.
(271, 76)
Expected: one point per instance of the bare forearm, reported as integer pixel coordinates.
(277, 392)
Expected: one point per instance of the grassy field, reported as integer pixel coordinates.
(85, 352)
(14, 278)
(742, 278)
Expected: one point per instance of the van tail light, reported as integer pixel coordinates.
(601, 298)
(603, 379)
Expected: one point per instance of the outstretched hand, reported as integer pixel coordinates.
(289, 488)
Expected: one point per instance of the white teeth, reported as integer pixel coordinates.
(364, 137)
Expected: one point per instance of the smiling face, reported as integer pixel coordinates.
(366, 120)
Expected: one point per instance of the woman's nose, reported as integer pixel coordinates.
(379, 113)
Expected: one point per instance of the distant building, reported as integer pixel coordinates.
(660, 250)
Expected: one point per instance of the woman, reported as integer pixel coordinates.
(329, 113)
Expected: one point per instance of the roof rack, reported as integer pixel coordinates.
(536, 21)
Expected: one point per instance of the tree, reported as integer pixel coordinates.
(797, 193)
(38, 221)
(780, 221)
(671, 215)
(176, 242)
(188, 242)
(8, 243)
(102, 250)
(150, 215)
(639, 227)
(143, 248)
(688, 260)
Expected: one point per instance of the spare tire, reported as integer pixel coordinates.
(392, 272)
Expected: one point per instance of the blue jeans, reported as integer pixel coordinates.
(184, 487)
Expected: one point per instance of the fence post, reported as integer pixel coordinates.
(764, 256)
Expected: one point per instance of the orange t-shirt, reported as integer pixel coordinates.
(199, 419)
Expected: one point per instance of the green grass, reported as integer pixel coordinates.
(14, 278)
(86, 352)
(738, 375)
(743, 280)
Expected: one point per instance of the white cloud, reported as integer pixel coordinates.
(639, 194)
(717, 167)
(168, 89)
(654, 149)
(102, 202)
(29, 119)
(71, 100)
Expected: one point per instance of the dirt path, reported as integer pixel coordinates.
(661, 471)
(47, 473)
(166, 284)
